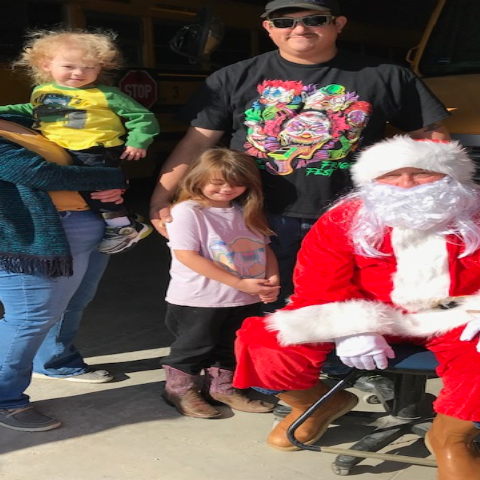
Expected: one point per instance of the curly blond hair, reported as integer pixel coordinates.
(42, 45)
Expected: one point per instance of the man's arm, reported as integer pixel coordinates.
(195, 141)
(434, 131)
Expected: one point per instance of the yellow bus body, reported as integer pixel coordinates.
(176, 81)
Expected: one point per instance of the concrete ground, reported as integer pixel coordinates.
(123, 429)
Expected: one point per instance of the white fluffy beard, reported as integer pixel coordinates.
(442, 207)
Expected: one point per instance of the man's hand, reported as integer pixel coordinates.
(196, 140)
(366, 351)
(272, 295)
(159, 219)
(132, 153)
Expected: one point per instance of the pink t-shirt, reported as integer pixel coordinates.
(220, 235)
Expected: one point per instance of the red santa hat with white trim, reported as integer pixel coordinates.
(402, 151)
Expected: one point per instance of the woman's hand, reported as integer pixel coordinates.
(109, 196)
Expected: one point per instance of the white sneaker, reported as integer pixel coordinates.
(93, 376)
(122, 239)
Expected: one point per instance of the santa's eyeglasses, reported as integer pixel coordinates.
(308, 21)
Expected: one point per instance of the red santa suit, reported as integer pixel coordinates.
(398, 295)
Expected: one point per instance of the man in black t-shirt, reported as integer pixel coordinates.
(302, 112)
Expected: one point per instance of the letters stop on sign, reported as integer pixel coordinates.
(139, 85)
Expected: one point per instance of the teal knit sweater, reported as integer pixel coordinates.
(32, 240)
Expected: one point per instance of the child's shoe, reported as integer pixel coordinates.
(122, 239)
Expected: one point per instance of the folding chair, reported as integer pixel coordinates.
(410, 369)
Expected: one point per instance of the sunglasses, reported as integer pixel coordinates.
(308, 21)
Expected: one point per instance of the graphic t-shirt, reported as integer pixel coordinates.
(220, 235)
(303, 123)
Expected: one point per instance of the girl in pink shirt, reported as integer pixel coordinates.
(222, 269)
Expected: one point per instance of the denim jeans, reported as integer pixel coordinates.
(40, 309)
(290, 232)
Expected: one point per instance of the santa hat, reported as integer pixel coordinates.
(402, 151)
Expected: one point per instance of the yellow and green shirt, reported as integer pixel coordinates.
(80, 118)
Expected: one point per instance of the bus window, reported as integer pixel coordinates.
(234, 47)
(128, 29)
(454, 45)
(17, 18)
(383, 28)
(165, 57)
(265, 43)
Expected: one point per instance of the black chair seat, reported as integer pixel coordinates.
(414, 359)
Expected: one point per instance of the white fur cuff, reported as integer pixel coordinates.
(324, 323)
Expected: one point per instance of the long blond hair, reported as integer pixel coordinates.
(96, 47)
(237, 168)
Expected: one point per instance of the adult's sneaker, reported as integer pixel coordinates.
(122, 239)
(27, 419)
(92, 376)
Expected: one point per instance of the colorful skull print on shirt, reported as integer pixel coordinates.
(293, 126)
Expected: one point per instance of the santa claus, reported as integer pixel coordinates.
(396, 261)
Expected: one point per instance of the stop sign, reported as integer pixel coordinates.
(139, 85)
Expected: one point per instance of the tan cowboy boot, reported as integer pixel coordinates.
(451, 441)
(218, 386)
(316, 425)
(183, 393)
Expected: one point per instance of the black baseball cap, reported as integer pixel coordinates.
(275, 5)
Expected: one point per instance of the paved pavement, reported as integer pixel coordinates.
(123, 430)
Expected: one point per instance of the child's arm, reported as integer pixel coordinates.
(141, 124)
(23, 109)
(205, 267)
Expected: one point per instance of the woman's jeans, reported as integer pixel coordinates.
(42, 315)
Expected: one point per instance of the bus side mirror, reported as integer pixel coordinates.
(198, 41)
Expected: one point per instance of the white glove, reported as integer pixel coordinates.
(471, 330)
(367, 351)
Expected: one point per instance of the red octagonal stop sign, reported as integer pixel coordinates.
(139, 85)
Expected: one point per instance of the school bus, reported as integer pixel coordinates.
(156, 75)
(169, 47)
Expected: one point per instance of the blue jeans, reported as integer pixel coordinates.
(290, 232)
(42, 314)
